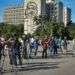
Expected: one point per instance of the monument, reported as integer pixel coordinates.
(32, 8)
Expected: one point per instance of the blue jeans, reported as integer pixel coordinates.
(30, 54)
(14, 60)
(51, 49)
(15, 55)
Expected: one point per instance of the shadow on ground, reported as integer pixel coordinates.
(34, 67)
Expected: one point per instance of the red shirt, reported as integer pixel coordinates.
(45, 43)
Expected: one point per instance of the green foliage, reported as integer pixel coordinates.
(8, 30)
(72, 30)
(47, 27)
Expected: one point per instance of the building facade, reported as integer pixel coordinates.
(49, 1)
(14, 15)
(59, 11)
(50, 9)
(55, 10)
(32, 8)
(41, 5)
(67, 16)
(25, 14)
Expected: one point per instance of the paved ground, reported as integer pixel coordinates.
(57, 65)
(61, 65)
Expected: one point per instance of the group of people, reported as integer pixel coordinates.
(13, 46)
(53, 44)
(19, 48)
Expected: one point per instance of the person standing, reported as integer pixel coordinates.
(73, 48)
(36, 45)
(32, 45)
(64, 45)
(25, 56)
(17, 54)
(10, 43)
(3, 44)
(45, 46)
(51, 48)
(0, 51)
(55, 44)
(59, 44)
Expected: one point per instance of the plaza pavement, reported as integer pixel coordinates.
(57, 65)
(53, 65)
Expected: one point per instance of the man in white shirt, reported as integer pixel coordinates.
(31, 45)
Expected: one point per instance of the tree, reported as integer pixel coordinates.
(71, 29)
(47, 27)
(8, 30)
